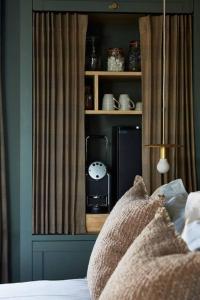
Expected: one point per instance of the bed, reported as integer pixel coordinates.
(74, 289)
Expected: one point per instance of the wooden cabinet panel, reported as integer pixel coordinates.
(135, 6)
(56, 260)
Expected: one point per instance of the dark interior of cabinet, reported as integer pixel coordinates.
(103, 125)
(113, 30)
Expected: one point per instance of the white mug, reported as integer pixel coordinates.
(138, 106)
(125, 102)
(108, 102)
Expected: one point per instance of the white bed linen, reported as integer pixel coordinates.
(191, 235)
(73, 289)
(191, 231)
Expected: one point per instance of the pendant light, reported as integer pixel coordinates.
(163, 165)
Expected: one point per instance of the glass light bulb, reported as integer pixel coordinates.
(163, 166)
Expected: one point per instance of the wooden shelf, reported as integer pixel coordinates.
(96, 77)
(94, 222)
(113, 112)
(108, 74)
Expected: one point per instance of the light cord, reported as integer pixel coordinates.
(164, 71)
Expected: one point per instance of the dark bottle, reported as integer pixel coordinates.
(92, 54)
(89, 102)
(134, 58)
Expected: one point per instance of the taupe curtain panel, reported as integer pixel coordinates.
(58, 123)
(3, 194)
(179, 126)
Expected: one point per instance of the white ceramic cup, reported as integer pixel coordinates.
(108, 102)
(125, 102)
(138, 106)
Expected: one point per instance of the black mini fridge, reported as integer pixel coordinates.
(127, 158)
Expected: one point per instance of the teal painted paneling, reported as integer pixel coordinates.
(18, 107)
(12, 125)
(37, 265)
(137, 6)
(62, 237)
(61, 260)
(25, 139)
(18, 117)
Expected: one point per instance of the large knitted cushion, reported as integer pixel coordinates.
(156, 266)
(125, 222)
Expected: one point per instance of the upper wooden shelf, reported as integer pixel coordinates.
(114, 74)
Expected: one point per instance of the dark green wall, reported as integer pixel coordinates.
(12, 124)
(18, 107)
(25, 140)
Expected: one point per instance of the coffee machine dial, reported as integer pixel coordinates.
(97, 170)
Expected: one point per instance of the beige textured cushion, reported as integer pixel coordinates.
(127, 219)
(157, 266)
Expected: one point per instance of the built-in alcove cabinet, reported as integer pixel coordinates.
(111, 31)
(62, 256)
(71, 253)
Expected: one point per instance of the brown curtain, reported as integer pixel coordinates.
(179, 128)
(58, 123)
(3, 194)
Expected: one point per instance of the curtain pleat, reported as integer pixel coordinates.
(179, 122)
(3, 193)
(58, 123)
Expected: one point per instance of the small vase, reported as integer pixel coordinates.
(92, 54)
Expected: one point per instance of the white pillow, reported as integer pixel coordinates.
(192, 207)
(191, 232)
(191, 235)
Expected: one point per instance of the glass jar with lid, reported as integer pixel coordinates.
(134, 59)
(115, 60)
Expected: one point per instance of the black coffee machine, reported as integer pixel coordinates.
(97, 179)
